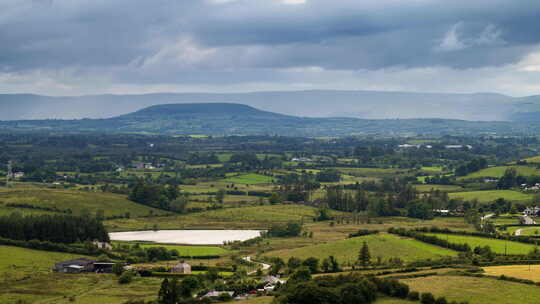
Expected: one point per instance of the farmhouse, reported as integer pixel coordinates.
(532, 211)
(182, 267)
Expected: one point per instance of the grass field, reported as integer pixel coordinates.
(370, 172)
(250, 179)
(111, 204)
(17, 261)
(60, 288)
(497, 246)
(534, 160)
(228, 218)
(192, 251)
(384, 245)
(432, 169)
(393, 301)
(498, 172)
(491, 195)
(476, 290)
(446, 188)
(531, 272)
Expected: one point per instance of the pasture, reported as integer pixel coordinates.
(249, 179)
(381, 245)
(191, 251)
(534, 160)
(528, 272)
(17, 261)
(61, 288)
(476, 290)
(497, 172)
(446, 188)
(228, 218)
(76, 201)
(491, 195)
(497, 246)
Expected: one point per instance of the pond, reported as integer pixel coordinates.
(188, 237)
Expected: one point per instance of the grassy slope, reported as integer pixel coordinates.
(497, 172)
(497, 246)
(529, 272)
(192, 250)
(86, 289)
(16, 261)
(447, 188)
(112, 204)
(491, 195)
(229, 218)
(250, 179)
(476, 290)
(383, 245)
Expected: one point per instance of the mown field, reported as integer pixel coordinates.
(476, 290)
(192, 251)
(497, 172)
(250, 179)
(528, 272)
(446, 188)
(535, 159)
(76, 201)
(384, 245)
(82, 289)
(498, 246)
(491, 195)
(229, 218)
(16, 262)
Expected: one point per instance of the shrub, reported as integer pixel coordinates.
(427, 298)
(413, 296)
(126, 277)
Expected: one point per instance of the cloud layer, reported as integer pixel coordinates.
(85, 46)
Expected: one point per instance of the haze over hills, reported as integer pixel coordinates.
(238, 119)
(316, 103)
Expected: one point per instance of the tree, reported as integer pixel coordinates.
(312, 264)
(294, 263)
(220, 195)
(275, 198)
(364, 257)
(302, 274)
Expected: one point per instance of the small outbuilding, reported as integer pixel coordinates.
(181, 267)
(75, 266)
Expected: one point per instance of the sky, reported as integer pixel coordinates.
(77, 47)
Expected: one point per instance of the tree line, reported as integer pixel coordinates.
(65, 229)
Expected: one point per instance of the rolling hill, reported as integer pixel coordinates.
(238, 119)
(311, 103)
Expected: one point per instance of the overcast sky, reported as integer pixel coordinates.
(72, 47)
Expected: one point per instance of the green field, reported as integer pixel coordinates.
(250, 179)
(17, 261)
(228, 218)
(370, 172)
(476, 290)
(498, 246)
(497, 172)
(534, 160)
(192, 251)
(491, 195)
(432, 169)
(58, 288)
(446, 188)
(111, 204)
(384, 245)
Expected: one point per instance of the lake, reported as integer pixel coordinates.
(188, 237)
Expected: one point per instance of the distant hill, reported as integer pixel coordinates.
(314, 103)
(237, 119)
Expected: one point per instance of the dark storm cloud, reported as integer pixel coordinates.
(228, 41)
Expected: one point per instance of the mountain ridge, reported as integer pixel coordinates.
(306, 103)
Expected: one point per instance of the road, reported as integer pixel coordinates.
(263, 265)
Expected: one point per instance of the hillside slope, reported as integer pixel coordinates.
(236, 119)
(312, 103)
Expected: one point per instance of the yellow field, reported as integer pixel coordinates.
(527, 272)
